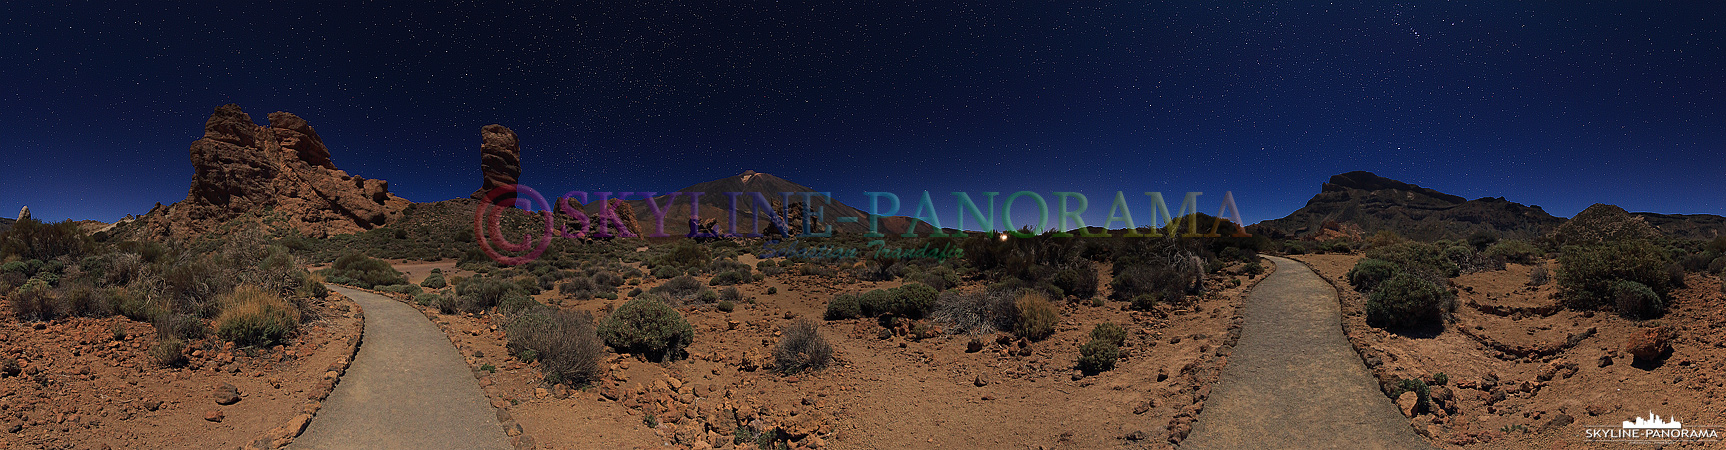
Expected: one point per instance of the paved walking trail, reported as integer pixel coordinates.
(407, 389)
(1294, 381)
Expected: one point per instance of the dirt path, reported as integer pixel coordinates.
(1293, 381)
(407, 389)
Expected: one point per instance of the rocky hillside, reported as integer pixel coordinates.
(1375, 203)
(281, 172)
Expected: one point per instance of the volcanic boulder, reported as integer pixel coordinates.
(499, 158)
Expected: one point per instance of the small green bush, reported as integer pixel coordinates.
(427, 299)
(1407, 300)
(726, 306)
(728, 278)
(648, 326)
(253, 317)
(1635, 300)
(362, 271)
(169, 352)
(801, 347)
(36, 301)
(480, 293)
(1109, 332)
(1080, 280)
(1512, 250)
(1098, 356)
(1036, 316)
(1588, 275)
(434, 281)
(1368, 273)
(843, 306)
(772, 290)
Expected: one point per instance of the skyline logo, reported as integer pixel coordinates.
(1653, 429)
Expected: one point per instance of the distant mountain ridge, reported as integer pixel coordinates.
(1374, 203)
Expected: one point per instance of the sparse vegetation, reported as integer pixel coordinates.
(801, 347)
(253, 317)
(359, 270)
(566, 344)
(1408, 300)
(648, 326)
(1589, 276)
(1036, 316)
(1098, 356)
(1109, 332)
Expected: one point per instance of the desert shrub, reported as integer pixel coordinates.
(180, 326)
(1079, 280)
(408, 289)
(726, 306)
(434, 281)
(648, 326)
(1109, 332)
(663, 272)
(1147, 302)
(682, 288)
(566, 344)
(1407, 300)
(1036, 316)
(516, 302)
(943, 277)
(1419, 257)
(607, 279)
(976, 312)
(1588, 274)
(1160, 281)
(169, 352)
(35, 300)
(81, 300)
(32, 239)
(687, 255)
(428, 299)
(1538, 276)
(480, 293)
(1252, 268)
(1636, 300)
(578, 287)
(1516, 251)
(772, 290)
(730, 277)
(1480, 240)
(1423, 393)
(1098, 356)
(843, 306)
(730, 294)
(635, 292)
(362, 271)
(253, 317)
(1368, 273)
(134, 306)
(527, 284)
(914, 300)
(801, 347)
(706, 296)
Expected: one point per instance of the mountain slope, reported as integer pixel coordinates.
(1376, 203)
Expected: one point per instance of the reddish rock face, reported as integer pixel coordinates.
(499, 158)
(1649, 344)
(283, 170)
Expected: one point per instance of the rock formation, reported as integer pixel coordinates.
(499, 158)
(625, 215)
(24, 213)
(280, 171)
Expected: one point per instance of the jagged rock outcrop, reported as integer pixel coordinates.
(625, 215)
(499, 158)
(1374, 203)
(24, 213)
(282, 171)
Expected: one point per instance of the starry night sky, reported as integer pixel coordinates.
(1559, 104)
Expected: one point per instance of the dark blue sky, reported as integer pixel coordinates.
(1560, 104)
